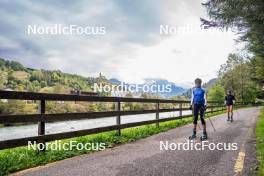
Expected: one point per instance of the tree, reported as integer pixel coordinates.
(14, 65)
(246, 17)
(36, 76)
(55, 77)
(2, 63)
(3, 79)
(216, 93)
(235, 75)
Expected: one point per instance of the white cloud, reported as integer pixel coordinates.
(180, 58)
(131, 50)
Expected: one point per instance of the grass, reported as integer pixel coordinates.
(19, 158)
(260, 143)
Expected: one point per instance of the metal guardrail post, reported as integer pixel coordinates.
(41, 125)
(157, 113)
(118, 118)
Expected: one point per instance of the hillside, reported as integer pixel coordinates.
(14, 76)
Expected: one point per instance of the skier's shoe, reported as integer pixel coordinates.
(228, 119)
(231, 119)
(193, 136)
(204, 136)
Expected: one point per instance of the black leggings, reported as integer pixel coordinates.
(196, 109)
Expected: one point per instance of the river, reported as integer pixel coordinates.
(14, 132)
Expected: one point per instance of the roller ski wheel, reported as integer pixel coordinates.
(204, 137)
(192, 137)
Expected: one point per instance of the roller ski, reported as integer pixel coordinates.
(193, 136)
(204, 137)
(231, 119)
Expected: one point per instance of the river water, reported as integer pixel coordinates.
(14, 132)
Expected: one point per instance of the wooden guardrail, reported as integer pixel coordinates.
(42, 117)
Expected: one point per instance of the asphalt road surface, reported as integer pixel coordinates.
(145, 157)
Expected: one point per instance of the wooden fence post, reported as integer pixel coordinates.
(157, 113)
(118, 119)
(180, 107)
(41, 125)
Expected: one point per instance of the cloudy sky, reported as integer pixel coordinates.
(132, 47)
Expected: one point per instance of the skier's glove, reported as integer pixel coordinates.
(190, 107)
(205, 107)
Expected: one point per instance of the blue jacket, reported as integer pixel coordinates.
(198, 96)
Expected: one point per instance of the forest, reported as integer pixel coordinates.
(243, 72)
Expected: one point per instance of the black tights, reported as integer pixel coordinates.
(198, 108)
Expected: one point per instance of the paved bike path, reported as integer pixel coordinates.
(144, 157)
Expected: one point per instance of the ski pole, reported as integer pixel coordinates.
(212, 124)
(209, 120)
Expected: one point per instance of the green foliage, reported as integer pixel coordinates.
(216, 93)
(3, 79)
(2, 63)
(37, 76)
(2, 107)
(14, 65)
(59, 89)
(56, 77)
(43, 84)
(19, 107)
(245, 16)
(235, 75)
(14, 75)
(260, 143)
(258, 69)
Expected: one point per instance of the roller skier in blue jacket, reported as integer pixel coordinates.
(198, 105)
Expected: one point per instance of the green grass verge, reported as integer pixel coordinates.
(260, 143)
(19, 158)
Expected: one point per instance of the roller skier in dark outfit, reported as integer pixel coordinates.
(198, 105)
(229, 101)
